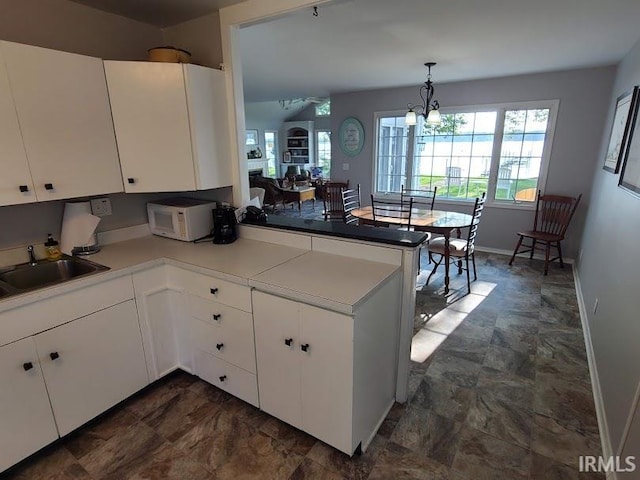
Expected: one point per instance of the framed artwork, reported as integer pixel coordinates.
(351, 136)
(252, 137)
(626, 105)
(630, 176)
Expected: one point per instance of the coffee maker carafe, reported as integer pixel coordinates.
(224, 225)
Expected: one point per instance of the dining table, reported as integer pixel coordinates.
(439, 222)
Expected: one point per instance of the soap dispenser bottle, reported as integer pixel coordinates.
(52, 248)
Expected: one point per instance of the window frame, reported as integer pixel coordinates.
(500, 108)
(317, 147)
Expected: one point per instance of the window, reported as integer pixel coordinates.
(323, 158)
(271, 147)
(323, 109)
(502, 150)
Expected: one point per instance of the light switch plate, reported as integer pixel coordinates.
(345, 166)
(101, 207)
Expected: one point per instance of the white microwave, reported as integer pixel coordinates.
(182, 218)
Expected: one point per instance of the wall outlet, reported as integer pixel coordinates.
(595, 306)
(345, 166)
(101, 207)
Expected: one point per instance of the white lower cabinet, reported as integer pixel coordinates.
(222, 345)
(305, 367)
(26, 420)
(92, 363)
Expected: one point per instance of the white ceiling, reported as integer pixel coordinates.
(363, 44)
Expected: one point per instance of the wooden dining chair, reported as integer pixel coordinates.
(424, 199)
(350, 202)
(553, 214)
(396, 212)
(460, 248)
(333, 209)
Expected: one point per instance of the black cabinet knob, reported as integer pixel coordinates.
(24, 188)
(288, 341)
(213, 291)
(222, 378)
(131, 180)
(219, 346)
(48, 186)
(54, 355)
(304, 347)
(216, 316)
(27, 366)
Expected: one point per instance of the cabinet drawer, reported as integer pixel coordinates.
(234, 345)
(210, 288)
(230, 378)
(51, 312)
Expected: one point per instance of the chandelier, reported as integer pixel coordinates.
(429, 108)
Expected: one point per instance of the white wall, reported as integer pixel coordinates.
(608, 272)
(583, 95)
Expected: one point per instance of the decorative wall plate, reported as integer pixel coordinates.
(351, 136)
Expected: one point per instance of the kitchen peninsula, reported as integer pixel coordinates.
(328, 309)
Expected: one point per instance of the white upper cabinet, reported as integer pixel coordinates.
(63, 110)
(170, 123)
(16, 185)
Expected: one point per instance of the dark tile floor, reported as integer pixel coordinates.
(499, 389)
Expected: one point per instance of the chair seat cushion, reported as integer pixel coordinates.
(457, 246)
(543, 236)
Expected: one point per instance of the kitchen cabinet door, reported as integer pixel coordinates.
(276, 325)
(92, 363)
(16, 185)
(149, 106)
(63, 108)
(26, 420)
(327, 375)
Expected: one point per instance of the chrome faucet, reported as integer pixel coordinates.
(32, 258)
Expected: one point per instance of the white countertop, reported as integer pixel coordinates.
(331, 281)
(341, 282)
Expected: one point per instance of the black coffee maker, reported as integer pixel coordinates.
(224, 225)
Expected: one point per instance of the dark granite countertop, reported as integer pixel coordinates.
(388, 236)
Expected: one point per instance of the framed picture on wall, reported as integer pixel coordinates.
(252, 137)
(626, 105)
(630, 176)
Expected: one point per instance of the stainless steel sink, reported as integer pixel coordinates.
(26, 277)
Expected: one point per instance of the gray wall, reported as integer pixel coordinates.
(608, 271)
(67, 26)
(71, 27)
(583, 95)
(200, 36)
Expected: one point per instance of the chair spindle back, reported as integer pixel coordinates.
(554, 212)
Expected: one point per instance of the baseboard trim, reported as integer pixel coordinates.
(501, 251)
(605, 439)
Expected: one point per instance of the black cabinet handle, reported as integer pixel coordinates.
(219, 346)
(213, 291)
(27, 366)
(24, 188)
(288, 341)
(304, 347)
(216, 316)
(222, 378)
(131, 180)
(54, 355)
(48, 186)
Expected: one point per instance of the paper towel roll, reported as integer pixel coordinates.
(78, 226)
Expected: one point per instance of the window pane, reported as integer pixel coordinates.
(456, 156)
(392, 154)
(521, 154)
(323, 138)
(271, 148)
